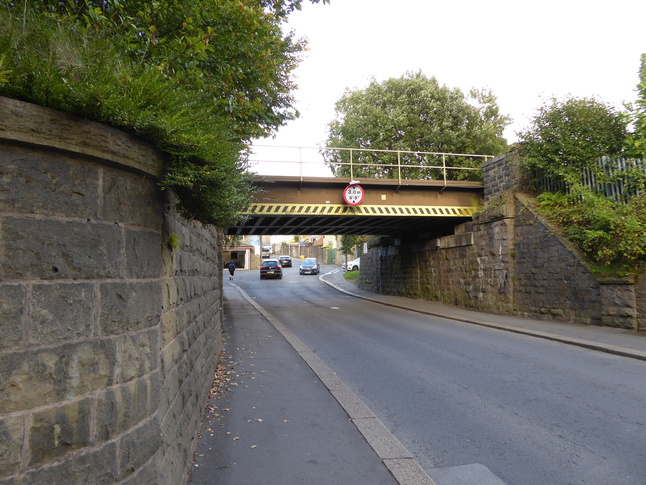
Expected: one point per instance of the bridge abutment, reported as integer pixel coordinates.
(508, 260)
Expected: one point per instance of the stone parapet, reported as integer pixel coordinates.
(500, 174)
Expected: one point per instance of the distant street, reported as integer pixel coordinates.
(529, 410)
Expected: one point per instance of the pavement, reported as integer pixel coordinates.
(278, 415)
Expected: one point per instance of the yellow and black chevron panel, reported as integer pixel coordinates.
(360, 210)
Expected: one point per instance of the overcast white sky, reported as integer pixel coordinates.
(523, 51)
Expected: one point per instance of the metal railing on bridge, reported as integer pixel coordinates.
(368, 163)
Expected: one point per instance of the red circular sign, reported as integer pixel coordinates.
(353, 195)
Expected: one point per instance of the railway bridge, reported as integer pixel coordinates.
(297, 204)
(317, 205)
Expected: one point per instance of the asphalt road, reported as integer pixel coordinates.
(457, 395)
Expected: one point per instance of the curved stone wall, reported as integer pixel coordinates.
(109, 338)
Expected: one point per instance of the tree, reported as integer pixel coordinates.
(566, 136)
(349, 243)
(413, 113)
(197, 78)
(636, 140)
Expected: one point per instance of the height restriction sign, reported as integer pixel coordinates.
(353, 195)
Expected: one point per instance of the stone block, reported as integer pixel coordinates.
(58, 431)
(619, 315)
(96, 467)
(60, 312)
(50, 183)
(169, 327)
(139, 446)
(150, 474)
(172, 415)
(32, 124)
(170, 296)
(12, 431)
(138, 354)
(124, 407)
(12, 301)
(183, 316)
(48, 376)
(52, 249)
(456, 240)
(131, 199)
(170, 388)
(171, 355)
(129, 306)
(143, 254)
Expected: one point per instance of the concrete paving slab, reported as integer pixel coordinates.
(474, 474)
(408, 472)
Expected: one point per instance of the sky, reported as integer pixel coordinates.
(524, 51)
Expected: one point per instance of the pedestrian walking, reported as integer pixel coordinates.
(232, 269)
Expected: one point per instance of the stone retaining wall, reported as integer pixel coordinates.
(507, 260)
(109, 338)
(640, 302)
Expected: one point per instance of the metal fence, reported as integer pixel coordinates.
(616, 178)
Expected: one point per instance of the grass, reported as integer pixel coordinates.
(352, 276)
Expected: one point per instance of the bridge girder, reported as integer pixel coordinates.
(315, 205)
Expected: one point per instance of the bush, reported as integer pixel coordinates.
(197, 79)
(566, 140)
(565, 137)
(612, 235)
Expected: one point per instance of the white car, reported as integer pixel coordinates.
(353, 265)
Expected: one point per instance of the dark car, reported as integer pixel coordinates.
(310, 266)
(285, 261)
(270, 268)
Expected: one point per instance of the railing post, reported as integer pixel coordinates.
(351, 167)
(300, 161)
(444, 167)
(399, 166)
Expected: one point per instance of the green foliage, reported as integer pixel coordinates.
(232, 240)
(636, 141)
(611, 234)
(174, 241)
(352, 276)
(413, 113)
(199, 79)
(349, 243)
(566, 136)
